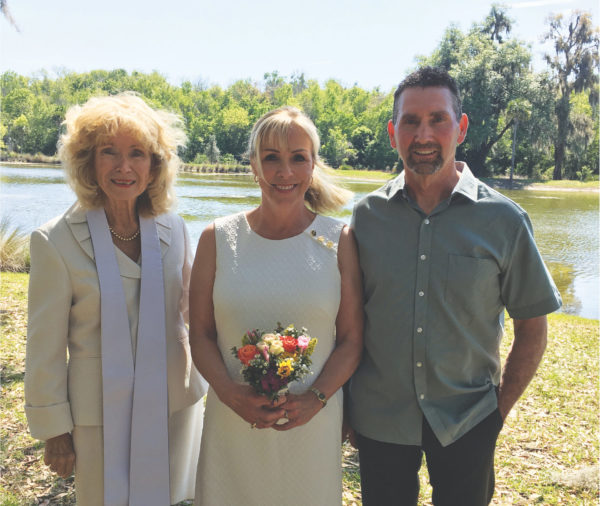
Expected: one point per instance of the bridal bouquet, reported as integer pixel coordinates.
(271, 360)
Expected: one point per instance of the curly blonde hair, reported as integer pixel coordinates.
(322, 195)
(102, 118)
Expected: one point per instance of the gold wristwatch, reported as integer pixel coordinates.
(320, 395)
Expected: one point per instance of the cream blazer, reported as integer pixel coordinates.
(63, 369)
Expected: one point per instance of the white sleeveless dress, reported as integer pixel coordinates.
(258, 283)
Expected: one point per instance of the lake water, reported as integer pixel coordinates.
(566, 224)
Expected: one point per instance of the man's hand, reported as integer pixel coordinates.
(348, 433)
(60, 455)
(522, 361)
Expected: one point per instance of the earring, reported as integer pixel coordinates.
(255, 179)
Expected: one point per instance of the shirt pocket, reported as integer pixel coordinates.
(472, 282)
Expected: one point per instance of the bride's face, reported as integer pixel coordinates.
(286, 168)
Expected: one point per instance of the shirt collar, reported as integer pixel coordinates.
(396, 185)
(467, 184)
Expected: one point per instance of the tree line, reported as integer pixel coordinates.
(535, 123)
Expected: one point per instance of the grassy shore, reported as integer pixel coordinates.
(518, 183)
(364, 175)
(504, 183)
(566, 184)
(547, 453)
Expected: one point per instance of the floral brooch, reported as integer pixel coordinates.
(325, 242)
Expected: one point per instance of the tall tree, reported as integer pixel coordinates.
(362, 139)
(489, 75)
(518, 110)
(574, 62)
(272, 80)
(212, 151)
(581, 133)
(535, 137)
(298, 82)
(497, 23)
(233, 129)
(337, 149)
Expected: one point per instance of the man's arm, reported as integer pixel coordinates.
(522, 361)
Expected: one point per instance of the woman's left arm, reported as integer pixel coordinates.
(349, 339)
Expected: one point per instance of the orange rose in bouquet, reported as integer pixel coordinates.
(247, 353)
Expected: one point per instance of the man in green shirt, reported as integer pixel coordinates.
(442, 256)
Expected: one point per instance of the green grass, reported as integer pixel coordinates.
(531, 184)
(567, 183)
(551, 436)
(371, 175)
(547, 452)
(499, 182)
(37, 158)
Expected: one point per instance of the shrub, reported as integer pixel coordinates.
(14, 248)
(584, 174)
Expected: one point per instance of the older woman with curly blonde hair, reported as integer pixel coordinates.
(109, 384)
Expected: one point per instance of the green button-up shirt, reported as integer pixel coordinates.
(435, 291)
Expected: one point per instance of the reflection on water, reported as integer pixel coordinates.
(566, 224)
(566, 227)
(564, 277)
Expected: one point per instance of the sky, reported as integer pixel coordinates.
(371, 43)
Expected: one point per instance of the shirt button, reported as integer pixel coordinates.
(421, 293)
(419, 364)
(423, 257)
(422, 396)
(426, 221)
(419, 330)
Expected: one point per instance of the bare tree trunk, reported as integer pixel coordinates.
(559, 156)
(560, 143)
(514, 148)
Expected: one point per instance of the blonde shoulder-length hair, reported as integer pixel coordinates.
(322, 195)
(100, 119)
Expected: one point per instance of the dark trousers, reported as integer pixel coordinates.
(461, 474)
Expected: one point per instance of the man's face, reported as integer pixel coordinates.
(427, 132)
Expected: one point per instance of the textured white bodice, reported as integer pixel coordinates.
(260, 282)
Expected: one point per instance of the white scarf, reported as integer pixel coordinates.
(134, 398)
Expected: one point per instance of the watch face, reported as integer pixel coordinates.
(320, 395)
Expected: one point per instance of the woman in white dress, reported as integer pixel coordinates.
(109, 286)
(281, 262)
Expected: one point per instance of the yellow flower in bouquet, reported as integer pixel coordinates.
(285, 368)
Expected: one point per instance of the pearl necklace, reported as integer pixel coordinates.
(130, 238)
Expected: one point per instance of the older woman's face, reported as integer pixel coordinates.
(122, 167)
(286, 170)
